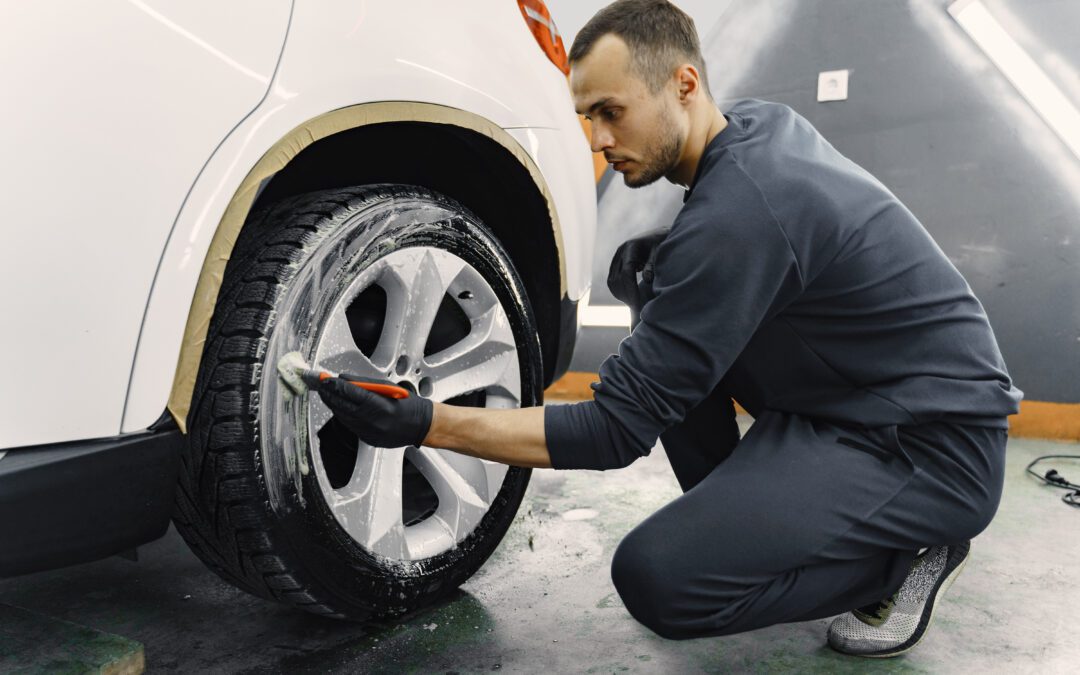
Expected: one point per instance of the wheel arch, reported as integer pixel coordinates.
(452, 151)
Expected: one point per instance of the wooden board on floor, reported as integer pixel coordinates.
(34, 643)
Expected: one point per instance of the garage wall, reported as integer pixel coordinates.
(935, 120)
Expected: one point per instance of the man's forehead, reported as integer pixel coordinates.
(587, 88)
(601, 75)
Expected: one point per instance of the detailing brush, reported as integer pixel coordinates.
(299, 377)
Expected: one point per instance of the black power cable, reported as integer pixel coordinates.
(1055, 479)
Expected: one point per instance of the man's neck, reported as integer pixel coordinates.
(712, 123)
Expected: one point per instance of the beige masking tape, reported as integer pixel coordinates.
(275, 159)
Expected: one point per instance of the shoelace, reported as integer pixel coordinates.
(877, 613)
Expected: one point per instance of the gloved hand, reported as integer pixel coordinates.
(635, 256)
(378, 420)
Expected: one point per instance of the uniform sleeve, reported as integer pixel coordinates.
(725, 267)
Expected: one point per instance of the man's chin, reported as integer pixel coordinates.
(639, 180)
(644, 174)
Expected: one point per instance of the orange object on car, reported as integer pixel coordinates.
(539, 20)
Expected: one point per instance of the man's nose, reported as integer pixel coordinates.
(601, 137)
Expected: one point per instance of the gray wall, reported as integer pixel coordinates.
(934, 119)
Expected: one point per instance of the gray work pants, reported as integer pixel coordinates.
(801, 519)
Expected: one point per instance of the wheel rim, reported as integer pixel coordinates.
(427, 320)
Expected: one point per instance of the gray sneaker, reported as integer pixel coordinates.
(896, 624)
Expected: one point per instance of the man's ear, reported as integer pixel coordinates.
(687, 82)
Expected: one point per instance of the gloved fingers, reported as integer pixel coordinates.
(647, 272)
(624, 288)
(637, 255)
(616, 271)
(335, 389)
(631, 256)
(645, 293)
(648, 269)
(336, 403)
(642, 248)
(622, 277)
(631, 292)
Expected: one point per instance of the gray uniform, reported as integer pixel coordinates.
(796, 283)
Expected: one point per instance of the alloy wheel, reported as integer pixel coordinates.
(427, 320)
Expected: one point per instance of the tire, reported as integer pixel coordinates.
(278, 498)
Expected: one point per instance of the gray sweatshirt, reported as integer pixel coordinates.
(798, 279)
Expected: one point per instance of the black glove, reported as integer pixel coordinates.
(634, 256)
(378, 420)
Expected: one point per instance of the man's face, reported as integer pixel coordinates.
(640, 133)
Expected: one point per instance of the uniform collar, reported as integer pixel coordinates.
(713, 147)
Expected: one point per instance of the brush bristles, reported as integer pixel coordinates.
(291, 368)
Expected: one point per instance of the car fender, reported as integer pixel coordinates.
(406, 75)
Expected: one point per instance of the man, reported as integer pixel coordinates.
(795, 283)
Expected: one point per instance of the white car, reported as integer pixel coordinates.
(192, 190)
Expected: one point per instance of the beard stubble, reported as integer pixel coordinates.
(661, 156)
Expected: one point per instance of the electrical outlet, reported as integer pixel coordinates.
(832, 85)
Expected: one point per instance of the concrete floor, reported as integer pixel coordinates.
(545, 603)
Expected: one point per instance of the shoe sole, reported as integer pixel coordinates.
(927, 615)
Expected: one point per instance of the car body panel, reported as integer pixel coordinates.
(567, 167)
(474, 58)
(107, 125)
(539, 116)
(477, 56)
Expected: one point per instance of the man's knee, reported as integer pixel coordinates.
(649, 591)
(969, 520)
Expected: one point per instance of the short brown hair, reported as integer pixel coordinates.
(660, 36)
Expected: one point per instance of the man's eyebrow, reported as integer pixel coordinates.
(602, 102)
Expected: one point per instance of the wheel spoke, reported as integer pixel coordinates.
(461, 484)
(388, 348)
(338, 351)
(485, 358)
(426, 289)
(369, 507)
(494, 472)
(352, 362)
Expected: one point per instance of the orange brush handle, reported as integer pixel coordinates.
(387, 390)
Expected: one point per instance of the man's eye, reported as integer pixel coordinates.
(610, 114)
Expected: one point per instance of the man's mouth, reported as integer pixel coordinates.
(618, 164)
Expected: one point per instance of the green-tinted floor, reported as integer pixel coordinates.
(545, 603)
